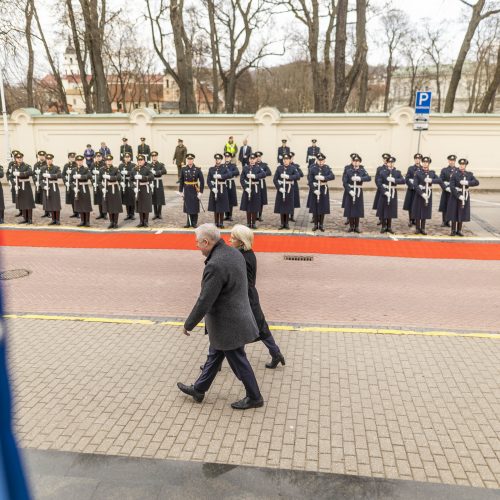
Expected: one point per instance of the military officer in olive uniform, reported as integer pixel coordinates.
(353, 180)
(2, 201)
(319, 197)
(388, 180)
(66, 177)
(446, 175)
(422, 202)
(128, 196)
(283, 180)
(282, 151)
(125, 148)
(296, 190)
(144, 149)
(191, 186)
(37, 178)
(22, 173)
(458, 210)
(158, 169)
(385, 157)
(82, 185)
(109, 179)
(98, 164)
(143, 179)
(312, 152)
(410, 191)
(50, 186)
(231, 184)
(250, 177)
(263, 185)
(218, 202)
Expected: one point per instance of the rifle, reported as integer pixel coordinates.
(105, 184)
(47, 184)
(76, 185)
(284, 183)
(250, 182)
(427, 189)
(463, 193)
(318, 194)
(96, 173)
(216, 184)
(136, 189)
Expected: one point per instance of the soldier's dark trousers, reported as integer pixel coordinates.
(229, 215)
(411, 222)
(75, 213)
(130, 212)
(144, 218)
(85, 219)
(251, 219)
(219, 219)
(240, 365)
(284, 221)
(157, 209)
(2, 214)
(420, 226)
(28, 216)
(102, 214)
(292, 218)
(113, 218)
(259, 216)
(56, 215)
(445, 221)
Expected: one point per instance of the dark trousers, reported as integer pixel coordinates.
(238, 362)
(271, 345)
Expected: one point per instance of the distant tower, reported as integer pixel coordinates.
(70, 62)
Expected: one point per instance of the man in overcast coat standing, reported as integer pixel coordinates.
(229, 320)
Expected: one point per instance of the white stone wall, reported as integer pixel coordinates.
(476, 137)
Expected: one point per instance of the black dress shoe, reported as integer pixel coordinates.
(281, 227)
(350, 230)
(19, 214)
(128, 217)
(87, 225)
(291, 219)
(422, 231)
(140, 225)
(389, 230)
(111, 226)
(74, 216)
(227, 218)
(286, 226)
(276, 361)
(45, 215)
(315, 228)
(58, 223)
(52, 223)
(322, 229)
(145, 224)
(187, 226)
(453, 233)
(191, 391)
(417, 231)
(155, 217)
(82, 224)
(246, 403)
(115, 225)
(356, 230)
(100, 217)
(29, 221)
(260, 219)
(459, 233)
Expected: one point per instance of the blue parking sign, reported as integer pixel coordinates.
(423, 102)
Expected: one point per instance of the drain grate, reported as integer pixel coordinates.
(14, 274)
(304, 258)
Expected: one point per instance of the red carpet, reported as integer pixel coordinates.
(263, 243)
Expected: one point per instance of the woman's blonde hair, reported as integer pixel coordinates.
(243, 234)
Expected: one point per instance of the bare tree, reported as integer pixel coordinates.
(414, 55)
(488, 102)
(434, 49)
(479, 13)
(28, 12)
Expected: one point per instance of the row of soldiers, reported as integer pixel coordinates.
(139, 188)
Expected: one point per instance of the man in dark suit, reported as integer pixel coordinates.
(125, 148)
(244, 154)
(229, 320)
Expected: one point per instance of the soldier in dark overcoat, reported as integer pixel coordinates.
(345, 194)
(218, 201)
(158, 170)
(10, 178)
(282, 151)
(311, 153)
(387, 183)
(283, 180)
(82, 185)
(2, 201)
(99, 163)
(251, 203)
(385, 157)
(410, 190)
(51, 195)
(446, 175)
(37, 178)
(319, 197)
(144, 149)
(66, 178)
(459, 205)
(124, 149)
(263, 185)
(25, 202)
(296, 189)
(353, 180)
(191, 186)
(422, 203)
(143, 178)
(231, 184)
(128, 196)
(109, 179)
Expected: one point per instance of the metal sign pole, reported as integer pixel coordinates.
(5, 121)
(418, 145)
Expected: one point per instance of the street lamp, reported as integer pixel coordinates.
(5, 121)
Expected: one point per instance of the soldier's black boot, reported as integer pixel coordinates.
(216, 219)
(285, 220)
(19, 214)
(111, 221)
(389, 226)
(159, 212)
(58, 218)
(282, 222)
(194, 220)
(356, 225)
(188, 222)
(2, 213)
(351, 225)
(383, 229)
(145, 219)
(30, 216)
(315, 221)
(24, 214)
(292, 219)
(141, 219)
(275, 361)
(253, 218)
(259, 216)
(453, 229)
(417, 226)
(422, 228)
(379, 223)
(46, 214)
(221, 220)
(411, 221)
(116, 220)
(459, 229)
(53, 221)
(321, 221)
(249, 220)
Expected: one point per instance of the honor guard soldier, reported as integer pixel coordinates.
(296, 190)
(284, 177)
(143, 178)
(81, 184)
(109, 179)
(218, 202)
(66, 177)
(422, 203)
(344, 182)
(446, 175)
(10, 178)
(231, 185)
(319, 197)
(158, 170)
(97, 166)
(263, 185)
(353, 180)
(282, 151)
(251, 203)
(125, 148)
(51, 195)
(24, 198)
(128, 196)
(385, 157)
(180, 157)
(144, 150)
(410, 191)
(245, 152)
(37, 178)
(312, 152)
(2, 201)
(388, 180)
(191, 186)
(458, 210)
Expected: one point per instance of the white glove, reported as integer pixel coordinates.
(282, 190)
(137, 177)
(214, 190)
(46, 174)
(285, 176)
(106, 176)
(390, 178)
(356, 178)
(425, 197)
(352, 193)
(316, 192)
(66, 184)
(448, 189)
(446, 183)
(421, 186)
(319, 177)
(461, 197)
(95, 171)
(78, 176)
(198, 196)
(387, 194)
(16, 174)
(428, 180)
(180, 193)
(248, 190)
(217, 176)
(251, 176)
(411, 181)
(464, 182)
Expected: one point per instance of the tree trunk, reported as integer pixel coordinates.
(488, 101)
(28, 11)
(464, 50)
(388, 79)
(213, 47)
(438, 86)
(363, 88)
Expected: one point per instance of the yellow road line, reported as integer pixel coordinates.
(321, 329)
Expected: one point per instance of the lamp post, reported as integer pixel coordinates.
(5, 121)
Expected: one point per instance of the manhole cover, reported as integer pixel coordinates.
(306, 258)
(14, 274)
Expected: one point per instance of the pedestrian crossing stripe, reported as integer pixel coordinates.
(290, 328)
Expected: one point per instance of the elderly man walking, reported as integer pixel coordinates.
(229, 320)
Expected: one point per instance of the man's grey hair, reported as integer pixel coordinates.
(207, 231)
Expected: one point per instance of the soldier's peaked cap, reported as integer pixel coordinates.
(190, 156)
(79, 157)
(141, 157)
(417, 156)
(218, 156)
(426, 159)
(321, 156)
(41, 153)
(109, 157)
(386, 156)
(463, 161)
(451, 157)
(50, 156)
